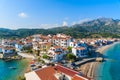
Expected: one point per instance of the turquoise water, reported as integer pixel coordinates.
(11, 74)
(110, 69)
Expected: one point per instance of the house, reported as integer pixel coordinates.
(8, 51)
(28, 43)
(80, 51)
(56, 72)
(6, 42)
(81, 44)
(35, 45)
(19, 46)
(36, 37)
(44, 46)
(57, 53)
(41, 38)
(61, 40)
(73, 44)
(41, 46)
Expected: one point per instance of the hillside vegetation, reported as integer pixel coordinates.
(102, 27)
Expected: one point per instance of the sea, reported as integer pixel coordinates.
(8, 73)
(110, 68)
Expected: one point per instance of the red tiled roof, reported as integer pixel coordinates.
(67, 71)
(58, 52)
(46, 73)
(64, 37)
(1, 46)
(20, 42)
(28, 41)
(77, 77)
(65, 49)
(81, 48)
(57, 47)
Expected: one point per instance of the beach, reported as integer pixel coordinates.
(103, 48)
(89, 69)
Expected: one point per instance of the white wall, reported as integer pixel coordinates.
(31, 76)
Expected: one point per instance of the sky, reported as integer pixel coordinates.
(16, 14)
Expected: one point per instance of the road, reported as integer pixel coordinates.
(84, 61)
(26, 55)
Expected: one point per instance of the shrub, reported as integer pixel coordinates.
(45, 56)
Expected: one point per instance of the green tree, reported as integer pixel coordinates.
(21, 78)
(71, 56)
(38, 52)
(69, 49)
(30, 51)
(45, 56)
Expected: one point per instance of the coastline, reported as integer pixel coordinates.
(89, 69)
(28, 67)
(20, 65)
(103, 48)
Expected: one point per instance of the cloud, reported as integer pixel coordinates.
(22, 15)
(65, 23)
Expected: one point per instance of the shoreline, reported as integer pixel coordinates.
(89, 69)
(104, 48)
(20, 65)
(28, 67)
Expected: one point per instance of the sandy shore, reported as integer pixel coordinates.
(103, 48)
(89, 69)
(28, 68)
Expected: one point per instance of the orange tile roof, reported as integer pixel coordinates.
(20, 42)
(46, 73)
(65, 49)
(9, 48)
(67, 71)
(57, 47)
(60, 37)
(1, 46)
(81, 48)
(28, 41)
(58, 52)
(77, 77)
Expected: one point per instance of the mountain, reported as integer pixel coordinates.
(4, 29)
(102, 22)
(101, 27)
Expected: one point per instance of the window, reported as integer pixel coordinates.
(77, 54)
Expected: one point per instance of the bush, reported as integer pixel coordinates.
(71, 56)
(69, 49)
(45, 56)
(21, 78)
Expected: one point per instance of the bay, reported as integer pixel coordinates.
(110, 69)
(6, 73)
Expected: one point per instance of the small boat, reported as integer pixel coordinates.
(12, 67)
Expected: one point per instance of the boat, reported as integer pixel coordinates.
(12, 67)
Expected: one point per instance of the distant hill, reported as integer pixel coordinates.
(101, 27)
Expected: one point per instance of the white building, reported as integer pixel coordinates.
(80, 52)
(57, 53)
(19, 46)
(61, 40)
